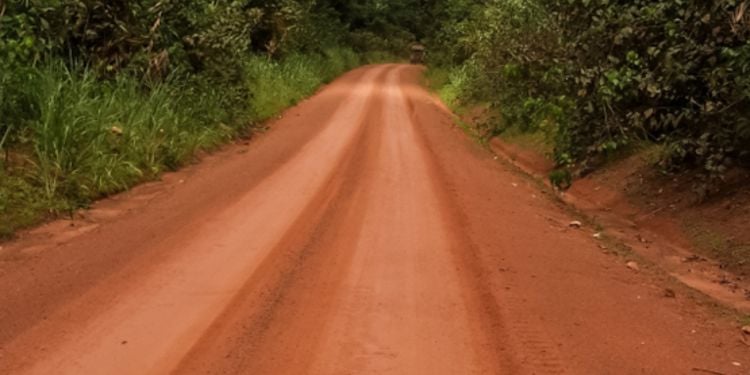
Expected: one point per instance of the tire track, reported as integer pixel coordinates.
(404, 311)
(508, 332)
(287, 301)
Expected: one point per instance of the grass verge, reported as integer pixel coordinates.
(68, 137)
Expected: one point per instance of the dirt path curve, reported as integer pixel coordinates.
(363, 234)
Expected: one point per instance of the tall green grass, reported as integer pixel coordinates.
(276, 85)
(94, 138)
(452, 84)
(76, 137)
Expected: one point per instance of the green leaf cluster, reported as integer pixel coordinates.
(599, 75)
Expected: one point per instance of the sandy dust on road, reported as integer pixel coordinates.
(362, 234)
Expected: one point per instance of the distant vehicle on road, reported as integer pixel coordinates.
(417, 53)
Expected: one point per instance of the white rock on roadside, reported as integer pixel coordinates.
(633, 266)
(575, 224)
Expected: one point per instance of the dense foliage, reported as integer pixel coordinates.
(598, 75)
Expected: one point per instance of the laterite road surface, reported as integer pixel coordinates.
(363, 234)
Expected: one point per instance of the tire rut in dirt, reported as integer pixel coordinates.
(286, 302)
(490, 326)
(511, 339)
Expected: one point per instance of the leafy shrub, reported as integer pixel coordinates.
(457, 84)
(598, 75)
(663, 70)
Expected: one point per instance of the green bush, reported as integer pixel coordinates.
(452, 84)
(600, 75)
(669, 71)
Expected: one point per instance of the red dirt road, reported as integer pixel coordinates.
(363, 234)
